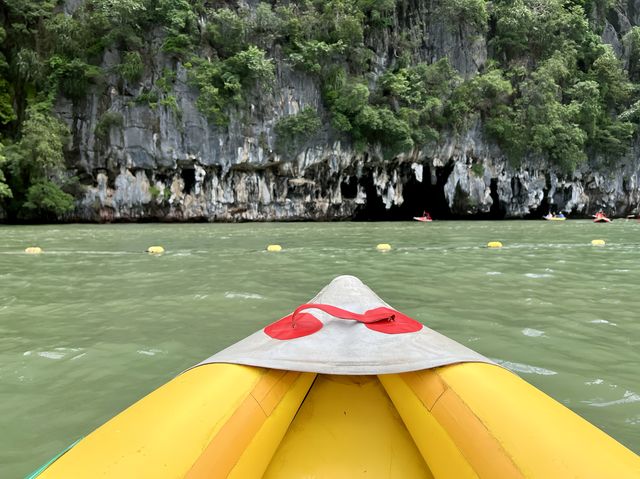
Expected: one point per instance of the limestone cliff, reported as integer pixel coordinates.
(170, 164)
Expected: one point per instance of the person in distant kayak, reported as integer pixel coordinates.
(560, 215)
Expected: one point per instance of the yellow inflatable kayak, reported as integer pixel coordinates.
(346, 387)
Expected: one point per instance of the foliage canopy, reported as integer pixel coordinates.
(550, 88)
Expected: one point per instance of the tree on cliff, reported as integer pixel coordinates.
(36, 166)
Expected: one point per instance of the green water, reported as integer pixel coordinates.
(93, 323)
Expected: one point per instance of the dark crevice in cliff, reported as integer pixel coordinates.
(188, 175)
(497, 211)
(374, 208)
(614, 19)
(349, 188)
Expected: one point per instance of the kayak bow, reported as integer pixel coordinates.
(346, 386)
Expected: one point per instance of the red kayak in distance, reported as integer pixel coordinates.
(425, 218)
(601, 218)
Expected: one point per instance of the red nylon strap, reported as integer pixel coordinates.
(383, 320)
(371, 316)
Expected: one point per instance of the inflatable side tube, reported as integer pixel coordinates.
(217, 420)
(480, 420)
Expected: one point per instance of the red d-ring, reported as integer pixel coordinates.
(284, 328)
(395, 322)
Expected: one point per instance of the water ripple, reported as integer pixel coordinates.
(629, 397)
(525, 368)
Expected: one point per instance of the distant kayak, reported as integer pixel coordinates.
(424, 219)
(601, 218)
(554, 218)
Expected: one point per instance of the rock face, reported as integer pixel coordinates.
(170, 163)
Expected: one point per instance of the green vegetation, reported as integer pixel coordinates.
(45, 198)
(550, 88)
(154, 191)
(131, 68)
(35, 166)
(223, 82)
(419, 94)
(161, 94)
(477, 169)
(349, 103)
(572, 103)
(159, 194)
(162, 194)
(469, 12)
(293, 131)
(107, 121)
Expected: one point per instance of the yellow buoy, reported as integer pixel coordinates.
(155, 249)
(494, 244)
(33, 250)
(274, 248)
(384, 247)
(598, 242)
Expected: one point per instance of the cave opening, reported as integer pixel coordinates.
(373, 209)
(419, 196)
(497, 212)
(349, 188)
(188, 175)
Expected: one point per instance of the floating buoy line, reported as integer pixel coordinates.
(273, 248)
